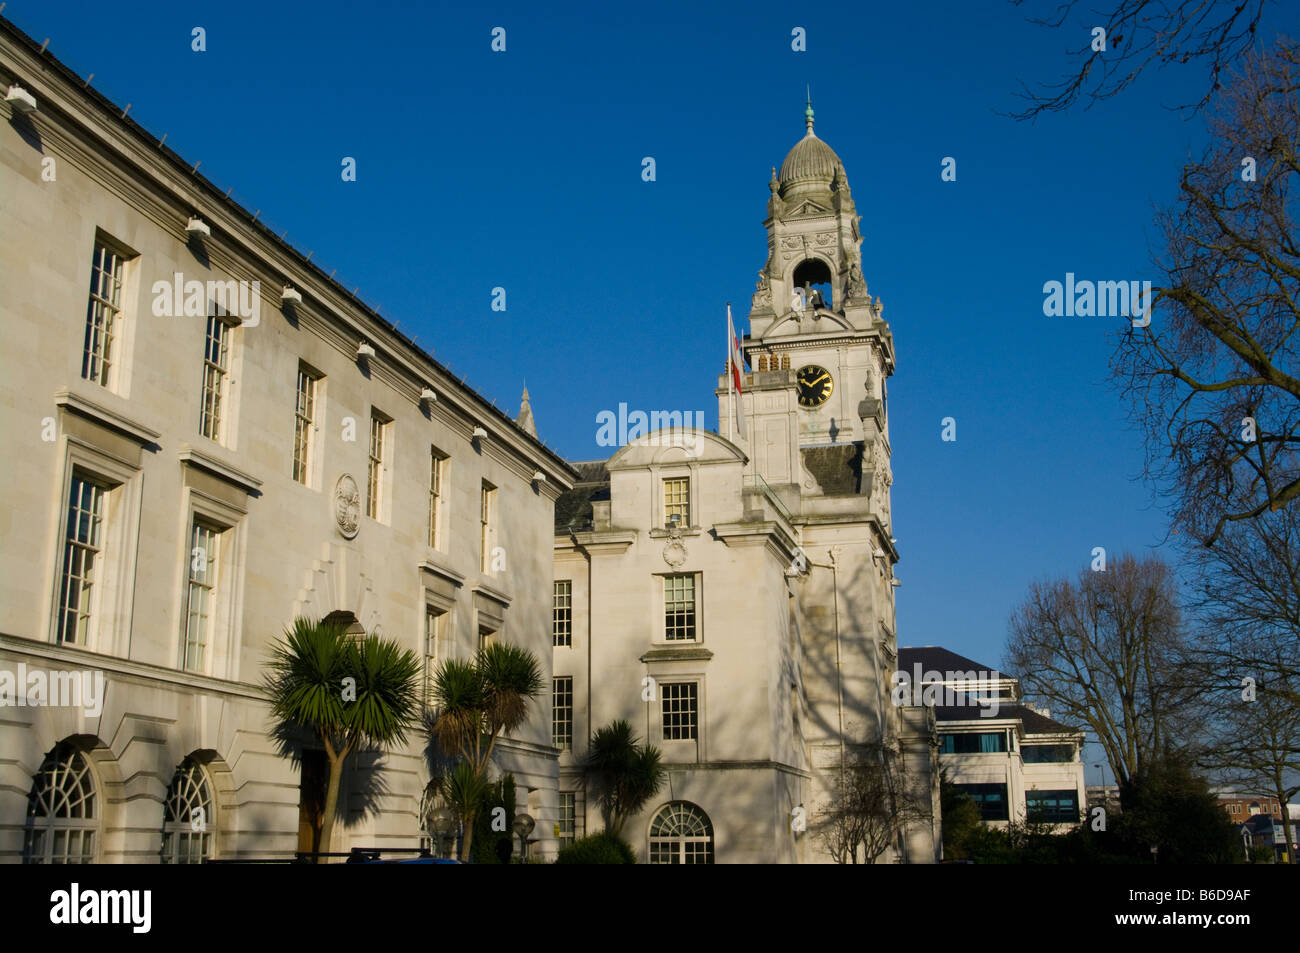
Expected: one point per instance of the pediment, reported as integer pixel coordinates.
(808, 207)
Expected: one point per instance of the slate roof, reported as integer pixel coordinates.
(933, 658)
(574, 506)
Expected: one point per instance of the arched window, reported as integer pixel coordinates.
(681, 834)
(187, 816)
(813, 276)
(61, 816)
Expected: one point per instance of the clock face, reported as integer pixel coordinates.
(815, 385)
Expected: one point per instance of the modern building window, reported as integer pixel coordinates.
(1052, 807)
(562, 712)
(487, 525)
(679, 608)
(200, 595)
(681, 833)
(680, 705)
(973, 742)
(562, 614)
(83, 547)
(188, 816)
(568, 826)
(377, 463)
(216, 370)
(435, 628)
(991, 798)
(103, 316)
(437, 464)
(304, 425)
(62, 814)
(1047, 754)
(677, 500)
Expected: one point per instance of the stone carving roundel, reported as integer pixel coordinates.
(347, 506)
(675, 553)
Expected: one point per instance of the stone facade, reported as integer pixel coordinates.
(785, 553)
(166, 429)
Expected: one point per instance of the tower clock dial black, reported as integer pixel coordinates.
(815, 385)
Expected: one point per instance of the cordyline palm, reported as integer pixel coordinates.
(477, 702)
(624, 774)
(351, 693)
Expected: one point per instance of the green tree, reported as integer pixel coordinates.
(603, 848)
(1169, 807)
(492, 841)
(623, 773)
(350, 693)
(476, 703)
(961, 819)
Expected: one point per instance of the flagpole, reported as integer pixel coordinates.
(731, 392)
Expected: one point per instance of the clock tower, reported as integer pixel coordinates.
(817, 439)
(819, 350)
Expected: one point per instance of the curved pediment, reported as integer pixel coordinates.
(794, 323)
(674, 446)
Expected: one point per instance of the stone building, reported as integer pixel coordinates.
(205, 437)
(733, 597)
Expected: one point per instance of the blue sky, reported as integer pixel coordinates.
(522, 170)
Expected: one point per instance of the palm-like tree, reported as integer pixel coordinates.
(351, 693)
(477, 702)
(624, 773)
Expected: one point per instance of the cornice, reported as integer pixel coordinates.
(192, 456)
(148, 176)
(112, 419)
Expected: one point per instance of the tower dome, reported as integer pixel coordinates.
(810, 162)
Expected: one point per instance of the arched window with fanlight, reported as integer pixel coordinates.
(62, 810)
(187, 816)
(681, 834)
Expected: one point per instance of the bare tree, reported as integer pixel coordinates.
(1248, 597)
(1247, 660)
(1213, 378)
(1142, 34)
(1256, 741)
(1107, 652)
(873, 803)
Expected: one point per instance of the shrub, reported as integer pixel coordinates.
(603, 848)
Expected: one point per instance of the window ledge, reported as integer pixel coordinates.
(664, 533)
(686, 653)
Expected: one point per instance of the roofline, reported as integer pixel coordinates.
(117, 116)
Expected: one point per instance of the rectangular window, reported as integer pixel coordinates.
(437, 463)
(216, 367)
(200, 595)
(973, 742)
(1052, 807)
(487, 514)
(991, 798)
(304, 425)
(679, 608)
(562, 712)
(81, 554)
(375, 471)
(680, 710)
(562, 614)
(103, 315)
(435, 625)
(1047, 754)
(677, 500)
(568, 825)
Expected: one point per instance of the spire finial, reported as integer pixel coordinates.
(808, 113)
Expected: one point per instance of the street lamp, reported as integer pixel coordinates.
(523, 826)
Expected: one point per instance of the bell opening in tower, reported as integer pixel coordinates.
(812, 282)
